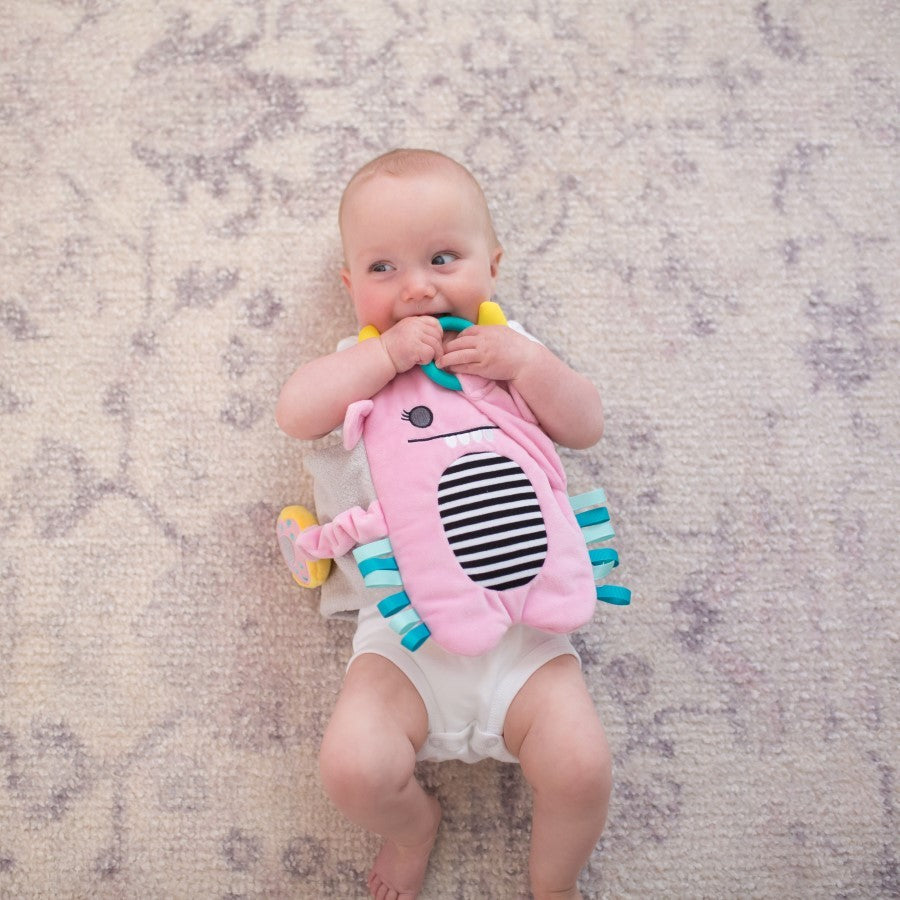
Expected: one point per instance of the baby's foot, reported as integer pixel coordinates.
(399, 871)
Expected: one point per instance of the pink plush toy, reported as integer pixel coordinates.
(472, 521)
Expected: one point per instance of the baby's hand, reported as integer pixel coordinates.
(413, 341)
(491, 351)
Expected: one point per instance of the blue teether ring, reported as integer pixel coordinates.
(439, 376)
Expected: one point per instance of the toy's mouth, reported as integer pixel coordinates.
(471, 435)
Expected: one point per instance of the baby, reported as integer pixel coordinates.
(419, 244)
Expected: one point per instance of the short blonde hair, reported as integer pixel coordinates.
(404, 161)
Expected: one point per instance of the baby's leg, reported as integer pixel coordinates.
(367, 761)
(553, 727)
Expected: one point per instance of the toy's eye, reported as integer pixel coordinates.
(420, 416)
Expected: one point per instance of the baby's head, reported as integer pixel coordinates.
(418, 239)
(424, 163)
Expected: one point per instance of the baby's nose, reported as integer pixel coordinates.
(418, 287)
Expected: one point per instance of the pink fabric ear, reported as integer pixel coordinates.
(354, 421)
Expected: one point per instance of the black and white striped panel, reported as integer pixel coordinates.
(492, 520)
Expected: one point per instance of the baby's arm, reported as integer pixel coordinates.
(567, 405)
(315, 398)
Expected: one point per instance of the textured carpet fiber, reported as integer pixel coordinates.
(699, 204)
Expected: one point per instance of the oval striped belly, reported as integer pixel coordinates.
(492, 519)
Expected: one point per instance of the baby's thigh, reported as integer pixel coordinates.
(553, 718)
(378, 705)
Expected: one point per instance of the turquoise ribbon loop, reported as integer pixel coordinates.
(377, 564)
(393, 604)
(603, 555)
(374, 548)
(415, 637)
(403, 620)
(383, 578)
(593, 516)
(614, 594)
(597, 497)
(593, 533)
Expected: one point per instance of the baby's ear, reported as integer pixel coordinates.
(354, 421)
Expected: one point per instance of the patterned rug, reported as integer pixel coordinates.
(699, 205)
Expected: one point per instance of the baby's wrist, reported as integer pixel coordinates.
(389, 355)
(529, 363)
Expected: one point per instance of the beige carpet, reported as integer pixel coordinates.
(699, 202)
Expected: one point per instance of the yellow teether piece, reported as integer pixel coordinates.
(489, 313)
(291, 521)
(369, 331)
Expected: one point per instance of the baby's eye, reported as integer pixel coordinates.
(443, 259)
(380, 267)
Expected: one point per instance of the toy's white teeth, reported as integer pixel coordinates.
(478, 435)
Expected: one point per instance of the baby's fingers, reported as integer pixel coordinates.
(451, 359)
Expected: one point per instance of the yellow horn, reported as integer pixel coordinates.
(489, 313)
(369, 331)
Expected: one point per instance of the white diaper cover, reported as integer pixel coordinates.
(466, 697)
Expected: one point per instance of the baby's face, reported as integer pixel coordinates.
(417, 245)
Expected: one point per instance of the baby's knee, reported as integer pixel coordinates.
(582, 780)
(592, 776)
(356, 773)
(345, 770)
